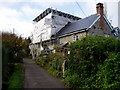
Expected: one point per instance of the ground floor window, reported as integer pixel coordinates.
(75, 37)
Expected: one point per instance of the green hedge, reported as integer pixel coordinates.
(94, 62)
(52, 63)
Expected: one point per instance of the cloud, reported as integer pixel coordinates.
(112, 11)
(10, 13)
(21, 27)
(20, 17)
(29, 12)
(58, 1)
(11, 18)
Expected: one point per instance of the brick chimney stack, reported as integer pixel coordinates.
(100, 10)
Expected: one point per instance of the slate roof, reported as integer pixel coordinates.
(82, 24)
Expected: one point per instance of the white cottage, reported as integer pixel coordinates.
(47, 24)
(57, 28)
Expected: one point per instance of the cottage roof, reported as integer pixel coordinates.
(80, 25)
(49, 10)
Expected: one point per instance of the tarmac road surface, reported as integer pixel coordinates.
(37, 77)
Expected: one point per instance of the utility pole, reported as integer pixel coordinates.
(13, 30)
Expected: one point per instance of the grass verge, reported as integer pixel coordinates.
(16, 80)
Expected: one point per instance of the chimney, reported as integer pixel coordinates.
(100, 11)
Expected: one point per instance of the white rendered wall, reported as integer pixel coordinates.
(42, 29)
(49, 26)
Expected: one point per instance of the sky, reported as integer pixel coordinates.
(17, 15)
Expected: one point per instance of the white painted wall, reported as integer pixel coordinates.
(42, 29)
(48, 26)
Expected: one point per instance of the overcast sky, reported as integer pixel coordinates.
(18, 14)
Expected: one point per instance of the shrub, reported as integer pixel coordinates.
(52, 63)
(57, 60)
(108, 75)
(57, 48)
(94, 61)
(13, 49)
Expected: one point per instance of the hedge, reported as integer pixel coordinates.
(52, 63)
(94, 62)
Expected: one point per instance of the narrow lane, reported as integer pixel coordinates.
(37, 77)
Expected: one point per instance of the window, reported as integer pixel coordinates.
(75, 37)
(106, 35)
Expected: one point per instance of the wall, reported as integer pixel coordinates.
(97, 31)
(69, 38)
(94, 31)
(49, 26)
(42, 30)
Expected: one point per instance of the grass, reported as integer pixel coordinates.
(16, 80)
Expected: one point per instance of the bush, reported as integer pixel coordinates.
(57, 48)
(13, 50)
(52, 63)
(109, 72)
(56, 61)
(93, 63)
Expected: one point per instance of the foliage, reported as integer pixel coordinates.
(52, 63)
(109, 72)
(57, 48)
(16, 80)
(94, 63)
(14, 46)
(13, 49)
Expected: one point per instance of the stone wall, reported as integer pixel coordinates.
(96, 30)
(70, 38)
